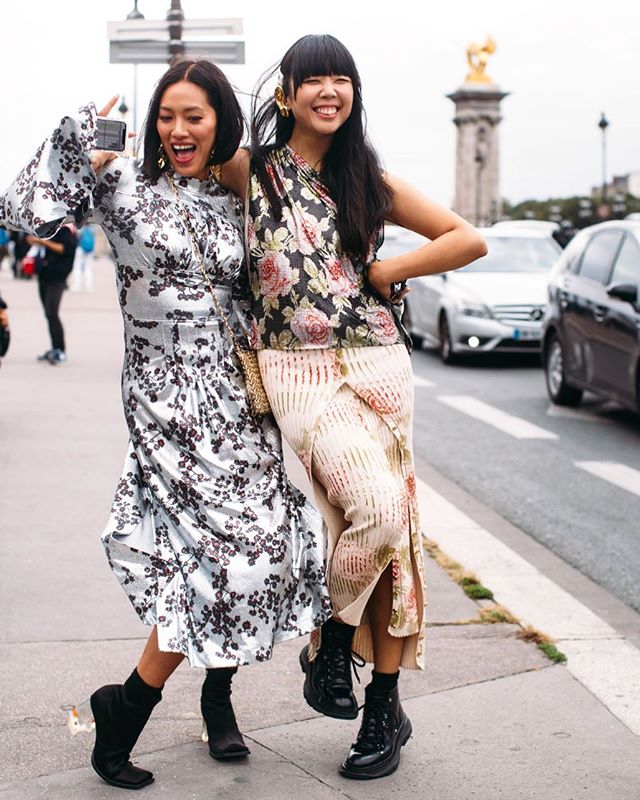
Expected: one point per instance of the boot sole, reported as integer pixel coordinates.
(309, 695)
(119, 784)
(230, 756)
(387, 767)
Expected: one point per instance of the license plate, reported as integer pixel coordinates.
(526, 334)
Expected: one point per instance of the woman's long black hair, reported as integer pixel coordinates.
(221, 97)
(351, 168)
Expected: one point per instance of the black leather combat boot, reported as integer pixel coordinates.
(328, 685)
(384, 730)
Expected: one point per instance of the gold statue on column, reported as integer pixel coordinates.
(477, 57)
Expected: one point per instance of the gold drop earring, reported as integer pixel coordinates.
(215, 170)
(162, 157)
(281, 101)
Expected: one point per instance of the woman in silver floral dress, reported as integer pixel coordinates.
(215, 549)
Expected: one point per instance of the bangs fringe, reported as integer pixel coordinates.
(319, 55)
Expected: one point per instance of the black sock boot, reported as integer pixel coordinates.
(225, 740)
(328, 685)
(120, 712)
(385, 729)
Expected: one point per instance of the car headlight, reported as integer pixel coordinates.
(474, 309)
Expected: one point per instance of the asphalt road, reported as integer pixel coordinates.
(558, 487)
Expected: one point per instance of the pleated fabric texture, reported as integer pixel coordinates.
(347, 414)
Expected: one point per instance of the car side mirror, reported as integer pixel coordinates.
(624, 291)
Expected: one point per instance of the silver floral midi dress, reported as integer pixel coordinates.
(207, 537)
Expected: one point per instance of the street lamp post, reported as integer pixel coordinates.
(480, 159)
(175, 18)
(123, 110)
(135, 14)
(603, 124)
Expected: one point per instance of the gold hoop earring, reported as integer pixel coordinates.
(162, 157)
(281, 101)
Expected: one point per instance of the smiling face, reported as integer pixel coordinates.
(187, 128)
(322, 104)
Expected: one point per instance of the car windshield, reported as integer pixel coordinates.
(516, 254)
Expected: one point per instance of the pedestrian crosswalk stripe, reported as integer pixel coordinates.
(514, 426)
(619, 474)
(421, 382)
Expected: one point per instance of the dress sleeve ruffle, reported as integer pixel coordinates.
(58, 185)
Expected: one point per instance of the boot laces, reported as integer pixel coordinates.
(377, 719)
(340, 660)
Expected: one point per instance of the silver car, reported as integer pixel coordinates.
(494, 304)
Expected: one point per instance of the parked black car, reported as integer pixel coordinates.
(591, 334)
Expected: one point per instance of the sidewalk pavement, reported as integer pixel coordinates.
(492, 716)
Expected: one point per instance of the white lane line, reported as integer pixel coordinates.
(577, 413)
(619, 474)
(422, 382)
(514, 426)
(598, 656)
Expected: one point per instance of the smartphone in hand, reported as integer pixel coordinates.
(111, 134)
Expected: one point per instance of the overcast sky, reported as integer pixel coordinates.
(563, 62)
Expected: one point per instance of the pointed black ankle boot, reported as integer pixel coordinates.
(385, 729)
(120, 712)
(328, 685)
(225, 739)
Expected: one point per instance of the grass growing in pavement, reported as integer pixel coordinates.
(475, 590)
(493, 614)
(496, 614)
(470, 584)
(544, 644)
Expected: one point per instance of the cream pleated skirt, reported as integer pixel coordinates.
(347, 414)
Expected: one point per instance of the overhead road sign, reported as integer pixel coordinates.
(142, 41)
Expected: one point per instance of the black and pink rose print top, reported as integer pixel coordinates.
(306, 293)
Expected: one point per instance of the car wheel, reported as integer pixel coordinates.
(559, 390)
(446, 346)
(408, 324)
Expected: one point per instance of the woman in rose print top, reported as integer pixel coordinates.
(214, 548)
(335, 366)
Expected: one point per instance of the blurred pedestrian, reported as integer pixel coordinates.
(54, 266)
(565, 233)
(335, 366)
(82, 275)
(5, 334)
(20, 250)
(4, 245)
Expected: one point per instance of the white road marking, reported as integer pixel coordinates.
(421, 382)
(582, 414)
(619, 474)
(598, 656)
(514, 426)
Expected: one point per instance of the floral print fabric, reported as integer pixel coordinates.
(307, 294)
(347, 414)
(207, 537)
